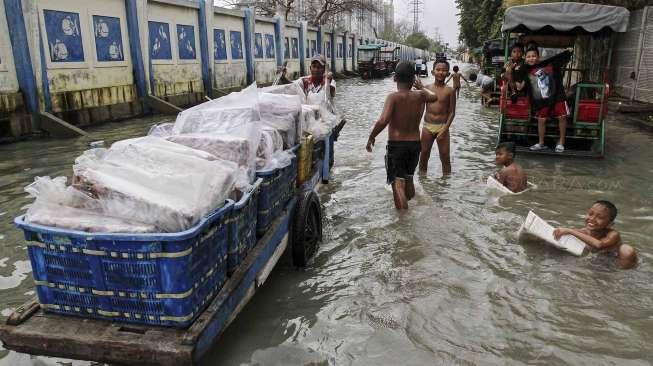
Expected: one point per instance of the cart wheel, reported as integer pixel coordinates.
(307, 228)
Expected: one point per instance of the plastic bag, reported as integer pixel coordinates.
(237, 107)
(63, 206)
(161, 130)
(139, 180)
(290, 89)
(238, 145)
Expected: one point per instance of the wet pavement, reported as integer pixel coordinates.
(446, 282)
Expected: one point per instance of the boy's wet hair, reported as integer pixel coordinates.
(472, 77)
(517, 45)
(508, 146)
(612, 209)
(442, 61)
(532, 47)
(455, 68)
(405, 72)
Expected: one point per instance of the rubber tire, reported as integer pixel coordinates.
(306, 228)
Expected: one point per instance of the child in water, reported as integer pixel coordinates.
(511, 175)
(456, 80)
(402, 113)
(599, 235)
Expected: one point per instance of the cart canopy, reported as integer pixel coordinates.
(566, 17)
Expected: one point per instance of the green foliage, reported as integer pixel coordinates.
(418, 40)
(479, 20)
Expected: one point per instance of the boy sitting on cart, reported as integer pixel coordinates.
(402, 113)
(547, 94)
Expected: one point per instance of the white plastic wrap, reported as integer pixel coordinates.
(539, 228)
(495, 185)
(238, 145)
(290, 89)
(282, 112)
(139, 180)
(161, 130)
(58, 205)
(271, 142)
(311, 123)
(235, 108)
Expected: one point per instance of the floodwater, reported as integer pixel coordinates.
(446, 282)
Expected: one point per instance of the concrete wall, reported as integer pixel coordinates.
(92, 61)
(264, 51)
(291, 33)
(229, 67)
(10, 97)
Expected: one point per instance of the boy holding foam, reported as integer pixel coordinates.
(599, 235)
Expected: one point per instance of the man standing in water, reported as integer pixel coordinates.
(438, 118)
(402, 112)
(313, 84)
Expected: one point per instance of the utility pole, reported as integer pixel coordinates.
(416, 8)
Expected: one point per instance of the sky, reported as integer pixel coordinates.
(440, 14)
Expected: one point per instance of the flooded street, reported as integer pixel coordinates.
(445, 283)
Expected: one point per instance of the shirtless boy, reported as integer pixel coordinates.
(511, 175)
(456, 80)
(437, 119)
(402, 114)
(599, 234)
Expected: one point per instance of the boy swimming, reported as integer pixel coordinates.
(402, 114)
(599, 235)
(511, 175)
(456, 80)
(547, 96)
(437, 119)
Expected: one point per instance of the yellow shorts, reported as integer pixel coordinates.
(434, 128)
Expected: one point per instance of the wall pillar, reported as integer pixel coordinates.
(319, 41)
(248, 29)
(135, 47)
(303, 27)
(345, 50)
(20, 50)
(278, 37)
(204, 45)
(333, 50)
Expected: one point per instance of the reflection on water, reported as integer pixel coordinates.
(446, 282)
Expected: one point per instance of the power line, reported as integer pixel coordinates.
(416, 9)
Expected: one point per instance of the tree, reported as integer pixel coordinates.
(398, 34)
(418, 40)
(330, 9)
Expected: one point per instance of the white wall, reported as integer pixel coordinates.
(229, 73)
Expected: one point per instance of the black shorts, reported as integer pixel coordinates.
(401, 159)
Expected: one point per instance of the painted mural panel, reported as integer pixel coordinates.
(236, 42)
(108, 38)
(269, 46)
(258, 45)
(64, 37)
(313, 48)
(219, 45)
(340, 53)
(160, 47)
(327, 47)
(286, 49)
(295, 48)
(186, 42)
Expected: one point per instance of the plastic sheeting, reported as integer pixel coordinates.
(565, 16)
(63, 206)
(138, 180)
(219, 114)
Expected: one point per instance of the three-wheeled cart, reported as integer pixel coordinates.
(143, 335)
(590, 30)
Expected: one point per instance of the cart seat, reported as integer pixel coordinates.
(517, 110)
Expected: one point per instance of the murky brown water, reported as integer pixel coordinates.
(445, 283)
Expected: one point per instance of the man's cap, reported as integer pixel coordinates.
(319, 58)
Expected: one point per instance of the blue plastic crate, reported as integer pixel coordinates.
(159, 279)
(277, 187)
(242, 227)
